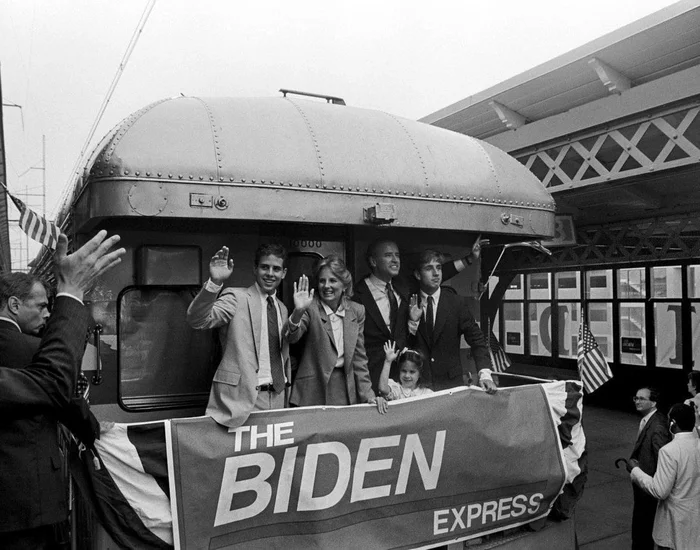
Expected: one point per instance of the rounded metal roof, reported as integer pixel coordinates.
(315, 147)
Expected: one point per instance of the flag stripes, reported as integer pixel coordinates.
(593, 368)
(36, 227)
(499, 359)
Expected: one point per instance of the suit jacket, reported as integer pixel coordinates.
(654, 436)
(320, 355)
(238, 314)
(376, 333)
(442, 352)
(31, 477)
(676, 484)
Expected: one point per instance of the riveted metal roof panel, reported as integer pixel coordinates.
(280, 160)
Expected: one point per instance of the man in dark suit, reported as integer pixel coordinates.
(33, 501)
(438, 320)
(653, 434)
(386, 303)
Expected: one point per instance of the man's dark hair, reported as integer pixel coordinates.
(373, 247)
(18, 285)
(654, 393)
(271, 249)
(694, 378)
(683, 416)
(428, 256)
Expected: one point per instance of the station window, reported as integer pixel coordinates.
(513, 328)
(599, 284)
(633, 334)
(540, 329)
(163, 363)
(568, 315)
(667, 282)
(667, 330)
(631, 283)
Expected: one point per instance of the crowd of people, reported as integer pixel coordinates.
(345, 332)
(371, 342)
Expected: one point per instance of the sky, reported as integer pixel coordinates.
(409, 58)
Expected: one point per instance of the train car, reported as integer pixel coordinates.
(184, 176)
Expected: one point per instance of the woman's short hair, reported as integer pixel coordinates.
(337, 267)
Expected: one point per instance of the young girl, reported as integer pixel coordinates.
(410, 367)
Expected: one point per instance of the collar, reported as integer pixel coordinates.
(263, 294)
(377, 282)
(3, 318)
(648, 415)
(339, 313)
(435, 295)
(683, 435)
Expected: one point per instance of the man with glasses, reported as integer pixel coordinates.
(652, 435)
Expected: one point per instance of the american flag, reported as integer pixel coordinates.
(593, 369)
(39, 229)
(499, 359)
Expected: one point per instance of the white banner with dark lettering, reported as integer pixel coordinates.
(448, 467)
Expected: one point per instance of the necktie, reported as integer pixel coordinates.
(273, 340)
(429, 317)
(641, 425)
(393, 307)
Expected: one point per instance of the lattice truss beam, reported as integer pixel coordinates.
(622, 243)
(667, 140)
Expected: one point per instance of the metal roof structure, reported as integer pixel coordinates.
(665, 42)
(313, 162)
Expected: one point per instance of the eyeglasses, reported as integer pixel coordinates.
(635, 398)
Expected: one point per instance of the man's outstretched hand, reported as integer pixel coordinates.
(76, 272)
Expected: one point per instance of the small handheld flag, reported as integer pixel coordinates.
(499, 359)
(593, 368)
(35, 226)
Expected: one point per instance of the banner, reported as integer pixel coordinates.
(451, 466)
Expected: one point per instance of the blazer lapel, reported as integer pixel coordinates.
(255, 310)
(326, 322)
(371, 308)
(350, 333)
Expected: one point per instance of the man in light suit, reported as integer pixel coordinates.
(438, 319)
(255, 368)
(34, 504)
(676, 483)
(651, 436)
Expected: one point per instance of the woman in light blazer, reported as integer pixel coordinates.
(333, 366)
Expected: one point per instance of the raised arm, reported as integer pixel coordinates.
(48, 380)
(209, 309)
(390, 355)
(298, 321)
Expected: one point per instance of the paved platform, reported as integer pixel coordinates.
(604, 514)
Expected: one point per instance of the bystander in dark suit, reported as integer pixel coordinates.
(439, 318)
(653, 434)
(33, 503)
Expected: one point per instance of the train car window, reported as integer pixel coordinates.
(168, 265)
(298, 264)
(163, 363)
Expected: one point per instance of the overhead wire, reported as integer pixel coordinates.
(75, 173)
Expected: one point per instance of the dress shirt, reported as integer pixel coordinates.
(264, 370)
(484, 374)
(377, 288)
(644, 421)
(413, 325)
(336, 318)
